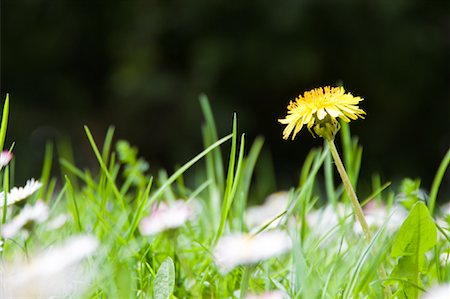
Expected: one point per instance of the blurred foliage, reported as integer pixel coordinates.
(141, 65)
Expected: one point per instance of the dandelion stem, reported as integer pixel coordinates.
(348, 187)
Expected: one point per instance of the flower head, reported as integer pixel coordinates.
(57, 272)
(29, 214)
(438, 291)
(242, 249)
(18, 194)
(258, 216)
(168, 216)
(5, 157)
(320, 106)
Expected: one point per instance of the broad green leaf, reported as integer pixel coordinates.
(416, 236)
(164, 280)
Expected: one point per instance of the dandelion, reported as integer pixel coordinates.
(5, 157)
(244, 249)
(320, 107)
(55, 273)
(28, 216)
(274, 205)
(168, 216)
(20, 193)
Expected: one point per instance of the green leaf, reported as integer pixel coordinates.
(416, 236)
(164, 280)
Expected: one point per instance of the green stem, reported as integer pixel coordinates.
(349, 188)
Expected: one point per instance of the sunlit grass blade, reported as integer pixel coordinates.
(244, 185)
(142, 203)
(232, 185)
(356, 272)
(437, 181)
(4, 124)
(105, 169)
(107, 144)
(307, 164)
(211, 131)
(46, 169)
(306, 188)
(76, 211)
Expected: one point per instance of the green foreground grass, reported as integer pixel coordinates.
(328, 256)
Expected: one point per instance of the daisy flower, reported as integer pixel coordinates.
(258, 216)
(438, 292)
(55, 273)
(19, 193)
(167, 216)
(29, 214)
(318, 105)
(377, 214)
(244, 249)
(5, 157)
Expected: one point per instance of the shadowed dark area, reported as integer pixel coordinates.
(141, 65)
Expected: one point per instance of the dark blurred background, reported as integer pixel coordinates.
(141, 65)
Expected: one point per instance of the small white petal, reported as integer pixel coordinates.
(5, 157)
(258, 216)
(56, 273)
(241, 249)
(165, 216)
(321, 113)
(19, 193)
(37, 213)
(57, 222)
(438, 292)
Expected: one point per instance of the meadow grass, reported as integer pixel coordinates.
(328, 256)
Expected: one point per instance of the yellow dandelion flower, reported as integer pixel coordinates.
(319, 105)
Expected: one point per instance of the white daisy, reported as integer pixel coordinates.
(241, 249)
(323, 220)
(29, 214)
(438, 292)
(168, 216)
(57, 221)
(377, 214)
(5, 157)
(19, 193)
(258, 216)
(55, 273)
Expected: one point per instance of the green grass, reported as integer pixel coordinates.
(326, 261)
